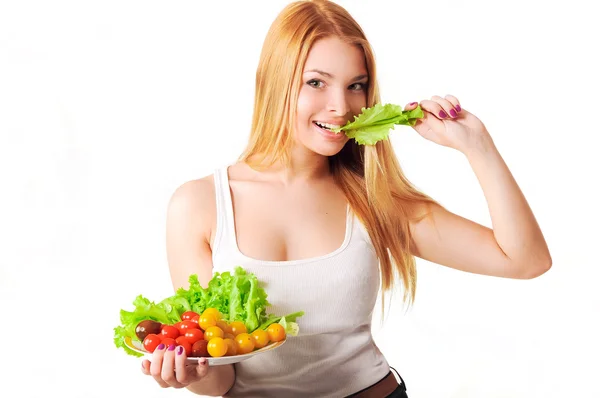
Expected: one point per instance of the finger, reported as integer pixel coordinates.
(411, 106)
(146, 367)
(156, 365)
(168, 368)
(447, 107)
(430, 120)
(181, 370)
(435, 109)
(202, 368)
(454, 101)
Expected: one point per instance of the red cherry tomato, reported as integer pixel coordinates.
(151, 342)
(196, 319)
(170, 331)
(185, 325)
(199, 348)
(188, 315)
(167, 341)
(193, 335)
(187, 346)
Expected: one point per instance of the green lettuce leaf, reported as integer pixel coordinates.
(374, 124)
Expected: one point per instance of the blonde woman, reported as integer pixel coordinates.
(325, 222)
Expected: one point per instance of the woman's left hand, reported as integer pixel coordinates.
(446, 123)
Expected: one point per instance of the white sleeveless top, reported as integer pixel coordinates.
(334, 354)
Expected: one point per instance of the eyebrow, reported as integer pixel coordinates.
(329, 75)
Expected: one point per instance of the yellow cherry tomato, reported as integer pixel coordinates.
(237, 327)
(261, 338)
(214, 312)
(231, 347)
(212, 332)
(207, 321)
(276, 332)
(217, 347)
(245, 343)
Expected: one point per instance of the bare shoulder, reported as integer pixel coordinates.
(191, 216)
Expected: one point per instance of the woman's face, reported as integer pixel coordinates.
(334, 89)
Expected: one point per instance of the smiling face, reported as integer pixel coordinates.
(334, 89)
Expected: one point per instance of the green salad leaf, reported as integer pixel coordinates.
(238, 297)
(374, 124)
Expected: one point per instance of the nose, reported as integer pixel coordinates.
(338, 103)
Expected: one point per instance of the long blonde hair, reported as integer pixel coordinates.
(370, 176)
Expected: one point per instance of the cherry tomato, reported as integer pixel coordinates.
(217, 347)
(188, 315)
(199, 348)
(185, 325)
(261, 338)
(212, 332)
(237, 327)
(245, 343)
(229, 336)
(196, 319)
(276, 332)
(193, 335)
(207, 321)
(214, 312)
(224, 326)
(187, 346)
(168, 341)
(170, 331)
(231, 347)
(151, 342)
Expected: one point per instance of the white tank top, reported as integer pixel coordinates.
(334, 354)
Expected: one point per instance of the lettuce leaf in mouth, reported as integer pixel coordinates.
(374, 124)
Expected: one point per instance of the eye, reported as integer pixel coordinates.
(315, 83)
(358, 86)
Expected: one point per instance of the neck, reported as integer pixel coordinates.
(302, 168)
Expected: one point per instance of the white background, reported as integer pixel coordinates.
(106, 107)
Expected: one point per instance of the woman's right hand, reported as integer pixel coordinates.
(169, 368)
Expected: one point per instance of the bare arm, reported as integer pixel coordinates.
(514, 248)
(189, 222)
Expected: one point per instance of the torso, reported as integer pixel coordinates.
(282, 223)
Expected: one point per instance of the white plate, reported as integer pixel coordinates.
(137, 346)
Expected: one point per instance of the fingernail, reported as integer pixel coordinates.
(443, 114)
(172, 347)
(458, 108)
(412, 103)
(161, 346)
(453, 113)
(180, 350)
(202, 361)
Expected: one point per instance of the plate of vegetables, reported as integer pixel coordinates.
(225, 323)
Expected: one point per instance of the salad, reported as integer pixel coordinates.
(230, 299)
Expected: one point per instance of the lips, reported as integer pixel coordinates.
(329, 134)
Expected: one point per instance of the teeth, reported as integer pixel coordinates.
(327, 125)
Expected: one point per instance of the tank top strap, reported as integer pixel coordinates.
(225, 221)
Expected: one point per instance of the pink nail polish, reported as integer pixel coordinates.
(412, 103)
(180, 350)
(453, 113)
(458, 108)
(161, 346)
(172, 347)
(443, 114)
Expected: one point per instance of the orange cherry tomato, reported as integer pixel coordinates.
(261, 338)
(237, 327)
(224, 326)
(276, 332)
(214, 312)
(245, 343)
(231, 347)
(207, 321)
(212, 332)
(217, 347)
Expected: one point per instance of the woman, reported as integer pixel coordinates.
(323, 221)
